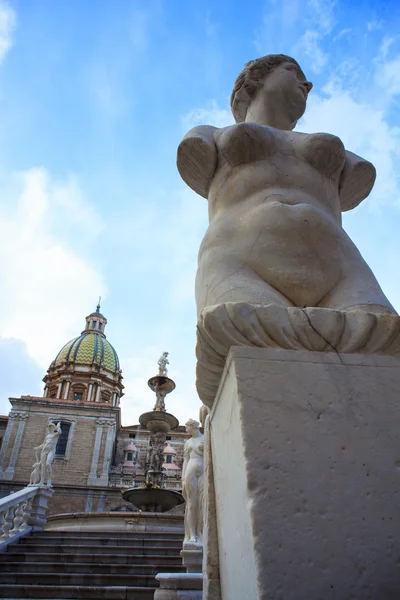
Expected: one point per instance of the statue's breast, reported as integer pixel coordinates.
(322, 151)
(246, 142)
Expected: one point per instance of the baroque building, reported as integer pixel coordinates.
(95, 455)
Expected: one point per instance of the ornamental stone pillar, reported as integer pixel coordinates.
(93, 479)
(7, 472)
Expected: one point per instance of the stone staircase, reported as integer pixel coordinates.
(75, 565)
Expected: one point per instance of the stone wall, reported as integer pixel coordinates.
(73, 468)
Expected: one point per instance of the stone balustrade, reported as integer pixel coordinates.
(23, 512)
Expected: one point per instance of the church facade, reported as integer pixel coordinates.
(96, 456)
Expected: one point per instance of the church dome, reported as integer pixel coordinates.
(87, 368)
(90, 348)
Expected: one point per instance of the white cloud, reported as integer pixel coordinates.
(375, 25)
(44, 281)
(388, 76)
(8, 21)
(321, 13)
(310, 45)
(209, 115)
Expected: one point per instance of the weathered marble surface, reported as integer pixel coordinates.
(316, 329)
(193, 482)
(275, 200)
(314, 494)
(42, 469)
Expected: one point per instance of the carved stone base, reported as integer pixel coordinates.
(310, 509)
(316, 329)
(179, 586)
(38, 515)
(192, 557)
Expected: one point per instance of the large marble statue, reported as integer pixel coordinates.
(193, 482)
(275, 267)
(43, 464)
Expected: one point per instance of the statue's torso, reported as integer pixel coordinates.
(274, 208)
(255, 162)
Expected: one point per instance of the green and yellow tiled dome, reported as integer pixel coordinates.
(90, 348)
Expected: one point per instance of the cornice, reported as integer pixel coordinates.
(50, 402)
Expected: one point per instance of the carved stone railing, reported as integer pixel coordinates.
(23, 512)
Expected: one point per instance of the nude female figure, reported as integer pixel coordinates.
(275, 201)
(192, 482)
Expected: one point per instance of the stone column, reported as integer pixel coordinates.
(67, 390)
(6, 440)
(93, 479)
(108, 451)
(98, 392)
(20, 417)
(96, 451)
(59, 389)
(89, 396)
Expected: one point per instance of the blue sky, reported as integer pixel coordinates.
(94, 99)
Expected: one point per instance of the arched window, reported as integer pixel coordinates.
(78, 391)
(63, 439)
(105, 397)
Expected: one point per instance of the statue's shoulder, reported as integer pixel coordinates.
(197, 158)
(356, 181)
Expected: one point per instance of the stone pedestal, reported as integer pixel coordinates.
(38, 515)
(179, 586)
(192, 557)
(306, 465)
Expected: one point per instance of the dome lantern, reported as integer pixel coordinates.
(95, 322)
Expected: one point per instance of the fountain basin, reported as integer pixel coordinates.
(153, 499)
(158, 421)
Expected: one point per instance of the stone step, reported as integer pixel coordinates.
(110, 534)
(90, 541)
(32, 546)
(78, 579)
(73, 592)
(15, 556)
(89, 568)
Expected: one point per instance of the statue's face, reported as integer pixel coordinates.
(286, 86)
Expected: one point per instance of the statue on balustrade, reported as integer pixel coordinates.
(42, 469)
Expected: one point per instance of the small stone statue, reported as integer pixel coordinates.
(160, 400)
(193, 482)
(155, 459)
(162, 364)
(47, 450)
(35, 475)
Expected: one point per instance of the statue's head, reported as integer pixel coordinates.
(279, 78)
(191, 424)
